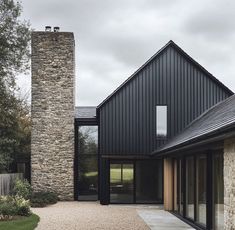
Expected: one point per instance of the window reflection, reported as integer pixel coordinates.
(218, 185)
(161, 121)
(121, 183)
(87, 163)
(201, 189)
(190, 187)
(149, 181)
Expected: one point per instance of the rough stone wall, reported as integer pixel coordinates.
(52, 147)
(229, 184)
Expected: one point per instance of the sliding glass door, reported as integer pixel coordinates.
(198, 180)
(148, 176)
(121, 183)
(136, 181)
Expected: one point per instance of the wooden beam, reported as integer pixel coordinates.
(168, 184)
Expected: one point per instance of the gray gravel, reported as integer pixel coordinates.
(89, 215)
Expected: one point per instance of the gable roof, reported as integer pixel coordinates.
(217, 119)
(86, 112)
(183, 53)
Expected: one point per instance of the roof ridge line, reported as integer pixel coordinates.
(180, 50)
(135, 72)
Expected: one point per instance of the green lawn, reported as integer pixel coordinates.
(115, 175)
(24, 223)
(91, 174)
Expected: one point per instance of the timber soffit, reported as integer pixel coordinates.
(182, 52)
(218, 119)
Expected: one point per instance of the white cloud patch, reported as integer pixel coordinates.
(114, 38)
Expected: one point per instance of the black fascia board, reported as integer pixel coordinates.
(217, 135)
(86, 121)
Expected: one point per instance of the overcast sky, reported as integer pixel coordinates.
(114, 38)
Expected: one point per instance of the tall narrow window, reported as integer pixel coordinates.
(218, 191)
(87, 163)
(190, 187)
(201, 168)
(161, 121)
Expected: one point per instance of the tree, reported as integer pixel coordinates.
(15, 133)
(14, 59)
(14, 42)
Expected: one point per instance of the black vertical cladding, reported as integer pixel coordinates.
(171, 78)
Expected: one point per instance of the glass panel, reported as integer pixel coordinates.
(218, 184)
(121, 183)
(149, 181)
(87, 163)
(115, 173)
(190, 187)
(201, 189)
(21, 168)
(161, 121)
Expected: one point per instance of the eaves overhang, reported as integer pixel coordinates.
(209, 138)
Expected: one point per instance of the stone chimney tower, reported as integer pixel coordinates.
(52, 147)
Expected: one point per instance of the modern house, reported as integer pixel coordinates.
(157, 139)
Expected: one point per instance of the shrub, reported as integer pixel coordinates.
(23, 206)
(7, 206)
(22, 188)
(13, 206)
(41, 199)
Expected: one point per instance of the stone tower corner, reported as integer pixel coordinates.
(52, 141)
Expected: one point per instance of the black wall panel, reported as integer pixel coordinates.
(128, 118)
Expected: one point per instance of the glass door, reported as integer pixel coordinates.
(121, 183)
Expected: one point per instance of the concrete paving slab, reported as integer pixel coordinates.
(161, 220)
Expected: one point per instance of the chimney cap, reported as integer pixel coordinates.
(48, 28)
(56, 29)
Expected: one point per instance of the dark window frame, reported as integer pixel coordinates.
(80, 123)
(209, 189)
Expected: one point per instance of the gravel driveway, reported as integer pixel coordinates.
(89, 215)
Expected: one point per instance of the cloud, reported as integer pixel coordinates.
(212, 20)
(114, 38)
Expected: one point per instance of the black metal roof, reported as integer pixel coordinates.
(170, 43)
(215, 120)
(85, 112)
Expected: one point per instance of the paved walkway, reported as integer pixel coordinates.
(92, 215)
(162, 220)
